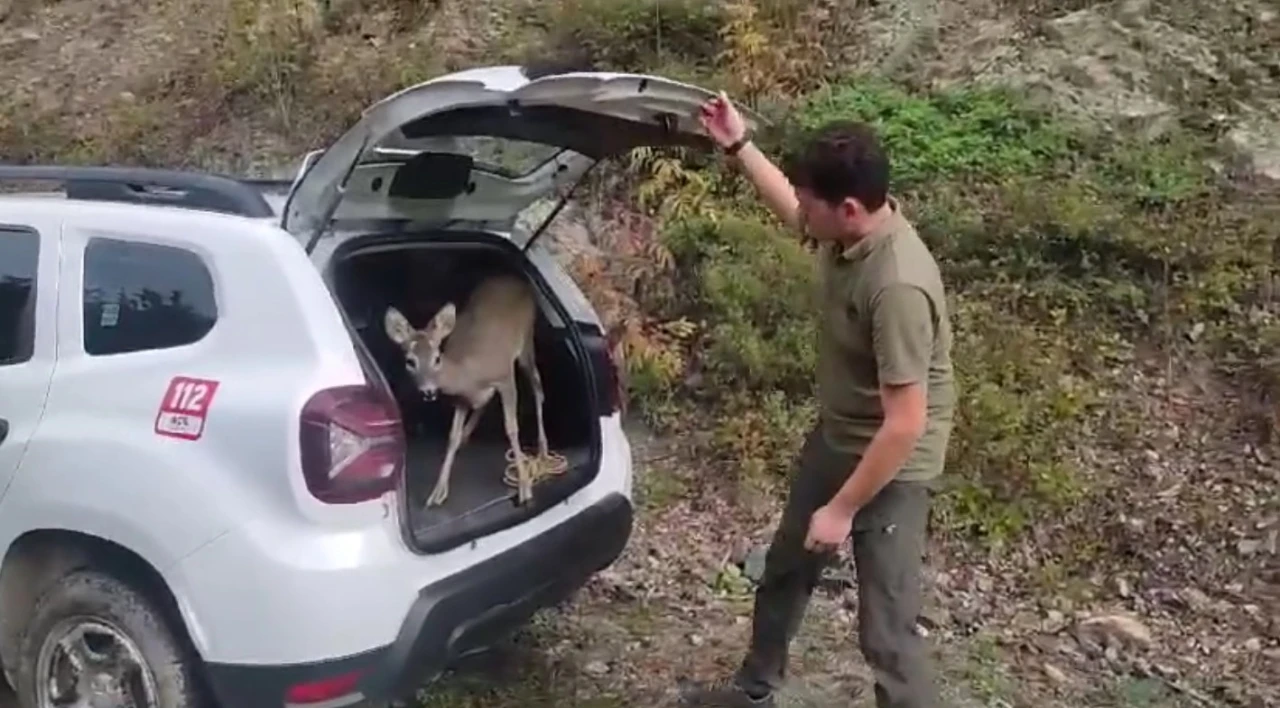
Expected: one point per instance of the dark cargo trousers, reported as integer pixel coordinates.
(888, 549)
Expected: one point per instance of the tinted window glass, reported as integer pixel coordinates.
(507, 157)
(140, 296)
(19, 258)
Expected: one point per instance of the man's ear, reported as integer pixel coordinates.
(851, 208)
(398, 328)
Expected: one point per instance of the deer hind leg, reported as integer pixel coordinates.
(530, 366)
(456, 435)
(507, 392)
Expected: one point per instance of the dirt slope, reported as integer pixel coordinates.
(1186, 544)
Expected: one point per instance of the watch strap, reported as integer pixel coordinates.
(737, 146)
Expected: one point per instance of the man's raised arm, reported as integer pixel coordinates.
(726, 127)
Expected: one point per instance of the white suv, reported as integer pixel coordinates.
(212, 458)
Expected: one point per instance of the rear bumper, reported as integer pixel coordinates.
(461, 614)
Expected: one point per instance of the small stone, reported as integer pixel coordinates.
(753, 564)
(1253, 644)
(697, 640)
(1123, 588)
(1196, 331)
(1119, 627)
(1248, 546)
(1195, 598)
(1070, 649)
(932, 617)
(1042, 644)
(1054, 622)
(596, 668)
(1055, 674)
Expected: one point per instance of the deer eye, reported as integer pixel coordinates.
(411, 362)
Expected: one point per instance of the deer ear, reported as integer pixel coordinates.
(398, 328)
(444, 321)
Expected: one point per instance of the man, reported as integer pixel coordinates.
(886, 397)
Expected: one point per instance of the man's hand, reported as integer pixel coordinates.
(726, 127)
(722, 121)
(828, 528)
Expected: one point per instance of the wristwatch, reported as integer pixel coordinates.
(737, 145)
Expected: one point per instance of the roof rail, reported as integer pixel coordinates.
(135, 185)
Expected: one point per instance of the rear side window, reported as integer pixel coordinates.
(19, 262)
(142, 296)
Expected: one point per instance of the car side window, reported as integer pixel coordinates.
(19, 264)
(144, 296)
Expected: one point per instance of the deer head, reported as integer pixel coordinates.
(423, 347)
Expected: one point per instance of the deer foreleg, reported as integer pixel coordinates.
(471, 425)
(441, 491)
(530, 366)
(507, 392)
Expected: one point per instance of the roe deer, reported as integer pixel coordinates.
(472, 355)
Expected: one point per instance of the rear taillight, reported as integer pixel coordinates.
(352, 444)
(324, 690)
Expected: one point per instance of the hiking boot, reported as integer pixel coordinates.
(720, 694)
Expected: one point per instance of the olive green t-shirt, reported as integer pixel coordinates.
(884, 320)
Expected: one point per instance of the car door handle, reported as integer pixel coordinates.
(4, 429)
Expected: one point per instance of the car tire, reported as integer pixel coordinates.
(94, 615)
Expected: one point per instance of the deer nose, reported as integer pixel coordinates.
(429, 395)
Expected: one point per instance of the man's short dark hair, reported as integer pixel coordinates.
(842, 159)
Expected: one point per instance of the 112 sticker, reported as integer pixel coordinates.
(185, 407)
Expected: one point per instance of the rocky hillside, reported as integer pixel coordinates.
(1101, 181)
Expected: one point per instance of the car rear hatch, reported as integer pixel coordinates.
(476, 148)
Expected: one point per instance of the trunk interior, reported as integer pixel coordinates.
(417, 277)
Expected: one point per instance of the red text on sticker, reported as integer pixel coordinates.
(185, 408)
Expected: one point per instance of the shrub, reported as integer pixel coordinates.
(264, 48)
(751, 287)
(1022, 397)
(982, 133)
(1062, 246)
(633, 35)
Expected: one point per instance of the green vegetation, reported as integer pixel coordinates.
(629, 35)
(1068, 248)
(1065, 248)
(1077, 255)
